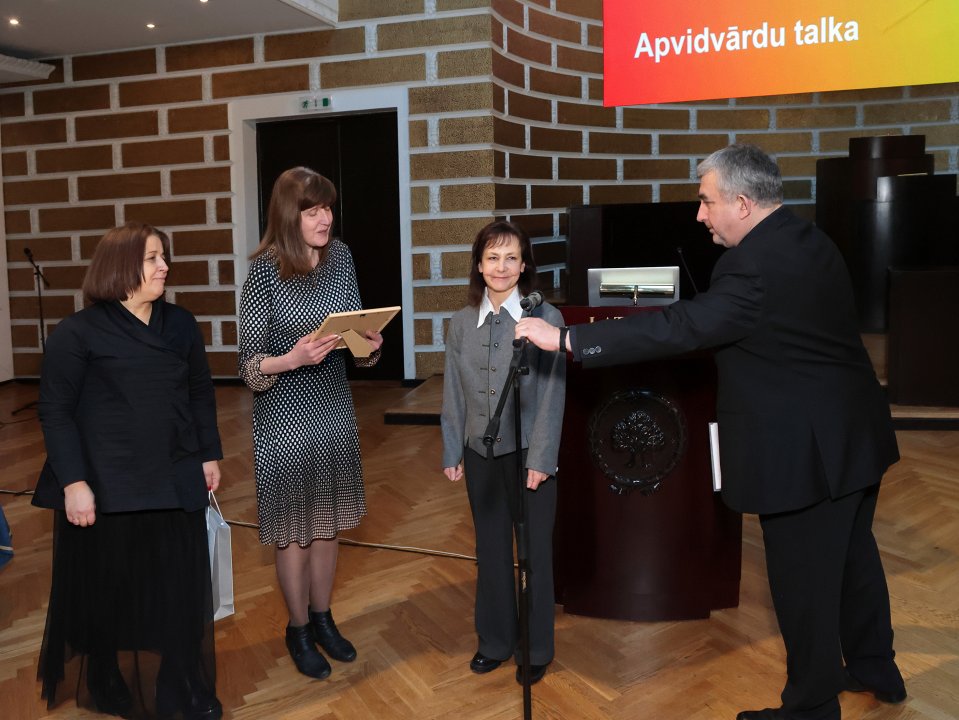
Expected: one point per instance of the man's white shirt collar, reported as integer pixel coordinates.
(511, 305)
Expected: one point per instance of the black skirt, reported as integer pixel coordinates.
(135, 586)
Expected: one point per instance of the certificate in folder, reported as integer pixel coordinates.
(351, 326)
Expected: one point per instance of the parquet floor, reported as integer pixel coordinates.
(410, 614)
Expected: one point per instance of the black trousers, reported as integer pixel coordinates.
(491, 486)
(831, 599)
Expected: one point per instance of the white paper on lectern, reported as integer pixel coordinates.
(714, 456)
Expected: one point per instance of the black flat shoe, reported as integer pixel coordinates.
(308, 660)
(892, 696)
(111, 696)
(329, 638)
(480, 664)
(208, 709)
(186, 694)
(536, 673)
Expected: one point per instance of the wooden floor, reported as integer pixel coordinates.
(410, 614)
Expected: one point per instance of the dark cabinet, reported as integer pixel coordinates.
(883, 207)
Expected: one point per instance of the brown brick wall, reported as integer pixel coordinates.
(464, 63)
(29, 192)
(463, 131)
(467, 198)
(161, 91)
(505, 119)
(119, 185)
(377, 71)
(320, 43)
(89, 157)
(261, 82)
(162, 152)
(450, 98)
(443, 31)
(166, 214)
(200, 180)
(13, 164)
(34, 132)
(90, 217)
(75, 99)
(198, 118)
(375, 9)
(118, 64)
(202, 242)
(221, 148)
(451, 165)
(117, 125)
(442, 231)
(12, 105)
(208, 55)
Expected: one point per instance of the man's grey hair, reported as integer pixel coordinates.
(745, 170)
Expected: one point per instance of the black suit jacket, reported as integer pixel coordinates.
(801, 414)
(129, 408)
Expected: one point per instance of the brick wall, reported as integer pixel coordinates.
(505, 119)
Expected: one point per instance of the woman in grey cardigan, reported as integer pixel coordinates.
(478, 354)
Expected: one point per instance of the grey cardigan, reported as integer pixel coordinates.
(477, 363)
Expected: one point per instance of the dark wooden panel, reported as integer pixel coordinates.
(672, 554)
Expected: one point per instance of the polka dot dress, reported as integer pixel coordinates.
(306, 448)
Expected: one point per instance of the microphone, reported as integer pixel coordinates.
(531, 301)
(26, 251)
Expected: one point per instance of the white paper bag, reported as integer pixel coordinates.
(221, 560)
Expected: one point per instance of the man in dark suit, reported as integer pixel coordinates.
(804, 426)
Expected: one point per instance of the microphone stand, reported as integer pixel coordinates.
(41, 281)
(519, 366)
(682, 259)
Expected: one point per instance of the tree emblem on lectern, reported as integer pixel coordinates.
(638, 434)
(636, 439)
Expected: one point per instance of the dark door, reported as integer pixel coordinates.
(359, 154)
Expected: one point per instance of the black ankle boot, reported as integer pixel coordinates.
(308, 660)
(326, 634)
(185, 692)
(105, 683)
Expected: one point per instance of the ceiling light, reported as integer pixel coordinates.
(151, 26)
(14, 21)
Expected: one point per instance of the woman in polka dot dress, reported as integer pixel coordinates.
(306, 450)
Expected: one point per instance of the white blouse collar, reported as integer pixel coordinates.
(511, 305)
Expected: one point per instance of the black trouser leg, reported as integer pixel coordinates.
(806, 553)
(489, 484)
(541, 505)
(866, 625)
(495, 610)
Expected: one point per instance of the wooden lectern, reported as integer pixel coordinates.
(665, 554)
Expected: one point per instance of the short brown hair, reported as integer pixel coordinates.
(116, 269)
(296, 190)
(494, 234)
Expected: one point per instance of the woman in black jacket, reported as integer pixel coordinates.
(129, 421)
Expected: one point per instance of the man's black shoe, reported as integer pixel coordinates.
(765, 714)
(480, 664)
(536, 673)
(893, 696)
